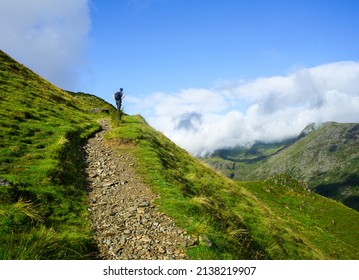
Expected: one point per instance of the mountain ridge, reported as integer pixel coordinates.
(324, 155)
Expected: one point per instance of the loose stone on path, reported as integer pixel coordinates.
(126, 223)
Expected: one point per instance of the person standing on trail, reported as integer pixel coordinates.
(118, 96)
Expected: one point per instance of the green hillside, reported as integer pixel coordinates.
(42, 190)
(326, 157)
(276, 219)
(43, 199)
(236, 163)
(300, 223)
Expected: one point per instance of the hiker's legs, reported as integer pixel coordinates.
(119, 104)
(119, 111)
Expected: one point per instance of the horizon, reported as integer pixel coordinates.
(208, 75)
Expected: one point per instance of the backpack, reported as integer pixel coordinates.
(118, 95)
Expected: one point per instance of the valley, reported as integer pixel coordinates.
(325, 156)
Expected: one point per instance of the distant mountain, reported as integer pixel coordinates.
(326, 156)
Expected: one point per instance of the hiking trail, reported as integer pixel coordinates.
(126, 223)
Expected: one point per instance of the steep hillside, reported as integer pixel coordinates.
(325, 156)
(44, 205)
(301, 223)
(236, 163)
(276, 219)
(42, 191)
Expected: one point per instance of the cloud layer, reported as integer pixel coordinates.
(265, 109)
(48, 36)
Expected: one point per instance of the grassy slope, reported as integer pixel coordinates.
(43, 212)
(329, 147)
(303, 223)
(238, 220)
(327, 158)
(238, 162)
(195, 196)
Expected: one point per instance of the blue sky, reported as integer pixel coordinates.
(175, 44)
(209, 74)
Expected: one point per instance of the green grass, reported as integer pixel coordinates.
(199, 199)
(306, 223)
(241, 220)
(43, 213)
(43, 199)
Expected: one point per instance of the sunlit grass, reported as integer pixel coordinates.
(43, 213)
(194, 195)
(43, 208)
(235, 217)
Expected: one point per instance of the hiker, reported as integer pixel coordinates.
(118, 96)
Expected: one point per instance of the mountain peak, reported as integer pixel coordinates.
(309, 129)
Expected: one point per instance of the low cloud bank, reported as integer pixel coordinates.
(47, 36)
(265, 109)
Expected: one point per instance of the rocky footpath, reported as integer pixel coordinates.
(126, 223)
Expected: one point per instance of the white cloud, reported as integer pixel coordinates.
(47, 36)
(276, 107)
